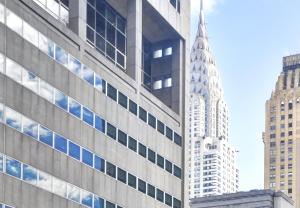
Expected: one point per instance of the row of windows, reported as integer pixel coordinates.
(34, 83)
(5, 206)
(176, 4)
(75, 66)
(49, 183)
(61, 144)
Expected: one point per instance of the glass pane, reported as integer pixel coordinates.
(1, 163)
(122, 100)
(177, 171)
(112, 92)
(160, 161)
(110, 51)
(61, 56)
(177, 139)
(88, 116)
(29, 174)
(142, 150)
(13, 70)
(122, 138)
(59, 187)
(1, 13)
(46, 136)
(121, 24)
(142, 114)
(53, 6)
(132, 144)
(99, 163)
(13, 119)
(111, 131)
(110, 205)
(151, 120)
(45, 181)
(100, 24)
(121, 42)
(60, 143)
(110, 169)
(168, 199)
(99, 124)
(46, 91)
(30, 34)
(168, 166)
(98, 202)
(90, 34)
(151, 191)
(159, 195)
(169, 133)
(151, 156)
(46, 45)
(30, 81)
(73, 193)
(30, 128)
(132, 181)
(87, 199)
(98, 83)
(121, 59)
(1, 112)
(87, 157)
(1, 60)
(74, 150)
(14, 22)
(74, 65)
(88, 75)
(110, 15)
(142, 185)
(160, 127)
(61, 100)
(132, 107)
(122, 175)
(13, 167)
(74, 108)
(90, 16)
(100, 44)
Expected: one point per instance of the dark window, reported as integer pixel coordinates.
(110, 51)
(132, 144)
(151, 191)
(90, 34)
(111, 131)
(151, 120)
(160, 195)
(132, 181)
(110, 169)
(100, 25)
(151, 156)
(100, 44)
(160, 161)
(176, 203)
(100, 7)
(161, 127)
(74, 150)
(60, 143)
(87, 157)
(110, 205)
(173, 3)
(99, 163)
(98, 202)
(100, 124)
(132, 107)
(88, 116)
(290, 190)
(122, 175)
(142, 114)
(90, 16)
(282, 117)
(142, 150)
(290, 116)
(177, 171)
(168, 199)
(111, 33)
(282, 134)
(92, 2)
(290, 106)
(75, 108)
(290, 125)
(122, 100)
(168, 166)
(121, 42)
(122, 138)
(177, 139)
(290, 133)
(61, 100)
(169, 133)
(142, 186)
(112, 92)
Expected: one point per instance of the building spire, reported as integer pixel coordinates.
(201, 26)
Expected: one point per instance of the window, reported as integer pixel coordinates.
(151, 191)
(14, 22)
(13, 119)
(60, 143)
(168, 51)
(176, 203)
(110, 169)
(1, 57)
(73, 193)
(1, 163)
(282, 117)
(100, 84)
(61, 100)
(168, 82)
(99, 124)
(46, 136)
(142, 150)
(59, 187)
(142, 114)
(46, 45)
(132, 144)
(30, 128)
(122, 100)
(290, 133)
(88, 75)
(168, 166)
(74, 108)
(168, 199)
(1, 13)
(142, 186)
(111, 92)
(29, 174)
(98, 202)
(160, 161)
(160, 195)
(160, 127)
(1, 112)
(132, 181)
(290, 116)
(87, 157)
(157, 54)
(110, 205)
(177, 171)
(169, 133)
(122, 138)
(46, 91)
(13, 70)
(13, 167)
(99, 163)
(152, 120)
(111, 131)
(30, 34)
(132, 107)
(122, 175)
(74, 150)
(61, 56)
(88, 116)
(151, 156)
(74, 65)
(30, 81)
(290, 106)
(177, 139)
(45, 181)
(87, 199)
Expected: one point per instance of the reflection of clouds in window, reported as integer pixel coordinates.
(29, 174)
(59, 187)
(98, 83)
(14, 22)
(46, 91)
(87, 198)
(13, 70)
(46, 136)
(61, 100)
(98, 202)
(30, 34)
(61, 56)
(13, 119)
(46, 45)
(13, 167)
(45, 181)
(73, 193)
(74, 65)
(1, 61)
(74, 108)
(30, 81)
(88, 75)
(30, 127)
(88, 116)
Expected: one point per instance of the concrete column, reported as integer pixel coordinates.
(77, 17)
(134, 39)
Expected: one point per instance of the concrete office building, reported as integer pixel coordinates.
(281, 136)
(212, 164)
(92, 103)
(250, 199)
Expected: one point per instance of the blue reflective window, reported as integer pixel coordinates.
(99, 163)
(46, 136)
(74, 65)
(98, 202)
(29, 174)
(87, 157)
(13, 119)
(73, 193)
(30, 128)
(88, 116)
(88, 75)
(74, 150)
(1, 112)
(74, 108)
(61, 100)
(1, 163)
(46, 45)
(87, 199)
(61, 56)
(13, 167)
(60, 143)
(100, 124)
(99, 83)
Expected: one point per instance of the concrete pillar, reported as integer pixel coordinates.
(77, 17)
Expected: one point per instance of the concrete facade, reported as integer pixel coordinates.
(251, 199)
(72, 38)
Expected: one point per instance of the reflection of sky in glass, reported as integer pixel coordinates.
(30, 128)
(73, 193)
(61, 56)
(46, 91)
(74, 65)
(99, 163)
(30, 34)
(14, 22)
(13, 168)
(1, 163)
(46, 136)
(60, 143)
(74, 108)
(87, 157)
(87, 199)
(53, 6)
(1, 113)
(98, 202)
(74, 150)
(29, 174)
(88, 75)
(98, 83)
(61, 100)
(99, 124)
(1, 58)
(59, 187)
(13, 119)
(30, 81)
(46, 45)
(88, 116)
(13, 70)
(45, 181)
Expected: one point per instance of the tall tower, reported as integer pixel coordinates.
(212, 158)
(281, 136)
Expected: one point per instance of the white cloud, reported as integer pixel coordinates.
(209, 6)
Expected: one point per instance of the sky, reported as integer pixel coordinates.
(248, 39)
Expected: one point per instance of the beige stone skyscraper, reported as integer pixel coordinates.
(282, 132)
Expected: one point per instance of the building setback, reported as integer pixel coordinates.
(92, 103)
(250, 199)
(281, 136)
